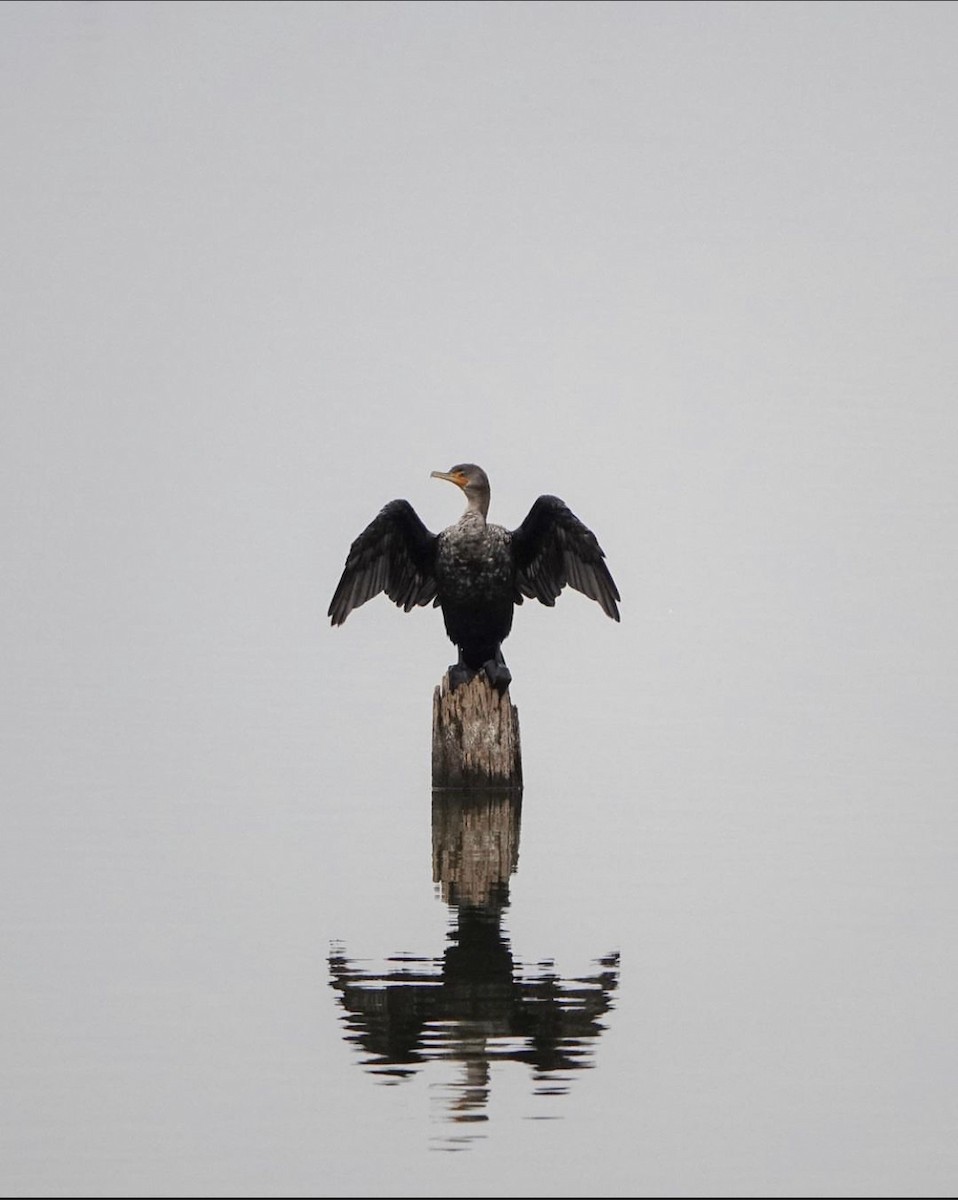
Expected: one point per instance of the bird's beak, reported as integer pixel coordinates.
(457, 478)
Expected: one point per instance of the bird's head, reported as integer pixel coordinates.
(472, 480)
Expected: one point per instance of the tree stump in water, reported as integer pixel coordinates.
(475, 737)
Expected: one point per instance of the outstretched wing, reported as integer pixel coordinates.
(553, 548)
(394, 554)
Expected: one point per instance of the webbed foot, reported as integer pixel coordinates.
(498, 674)
(459, 673)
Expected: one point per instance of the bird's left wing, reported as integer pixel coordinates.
(553, 548)
(394, 554)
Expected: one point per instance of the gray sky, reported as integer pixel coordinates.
(689, 266)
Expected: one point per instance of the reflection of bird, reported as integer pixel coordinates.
(475, 572)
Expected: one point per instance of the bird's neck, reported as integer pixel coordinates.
(474, 518)
(477, 506)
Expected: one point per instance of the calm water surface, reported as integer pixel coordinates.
(689, 267)
(474, 1006)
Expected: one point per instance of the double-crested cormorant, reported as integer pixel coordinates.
(475, 572)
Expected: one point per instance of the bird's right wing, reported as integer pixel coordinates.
(395, 554)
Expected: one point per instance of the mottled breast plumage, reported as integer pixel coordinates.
(474, 561)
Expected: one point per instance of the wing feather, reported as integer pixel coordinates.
(394, 554)
(553, 548)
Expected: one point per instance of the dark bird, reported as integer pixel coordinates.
(475, 572)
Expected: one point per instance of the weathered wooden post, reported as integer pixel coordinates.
(475, 737)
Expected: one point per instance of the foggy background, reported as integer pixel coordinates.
(690, 267)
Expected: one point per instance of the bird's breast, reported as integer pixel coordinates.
(474, 562)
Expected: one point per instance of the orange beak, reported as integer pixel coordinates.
(455, 477)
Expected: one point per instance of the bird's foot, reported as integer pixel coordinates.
(498, 674)
(459, 673)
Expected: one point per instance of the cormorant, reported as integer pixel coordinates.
(475, 572)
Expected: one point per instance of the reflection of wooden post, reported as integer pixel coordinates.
(475, 736)
(475, 845)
